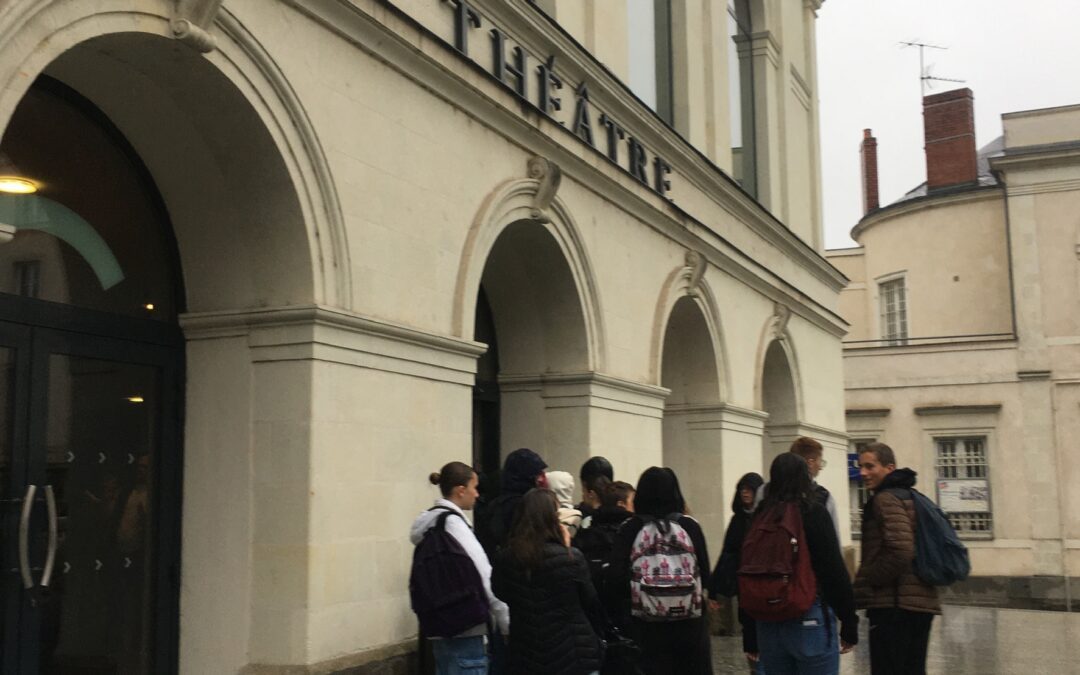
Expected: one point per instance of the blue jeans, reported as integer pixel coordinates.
(460, 656)
(805, 646)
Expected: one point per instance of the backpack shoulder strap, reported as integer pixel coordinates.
(440, 522)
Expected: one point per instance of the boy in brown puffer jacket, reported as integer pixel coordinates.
(898, 605)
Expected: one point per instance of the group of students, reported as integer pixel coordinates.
(620, 582)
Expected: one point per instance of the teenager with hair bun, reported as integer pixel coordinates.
(457, 483)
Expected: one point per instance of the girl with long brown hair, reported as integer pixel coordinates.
(554, 609)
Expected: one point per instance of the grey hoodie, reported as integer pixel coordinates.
(459, 529)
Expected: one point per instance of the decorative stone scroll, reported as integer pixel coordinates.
(191, 23)
(549, 175)
(693, 272)
(781, 315)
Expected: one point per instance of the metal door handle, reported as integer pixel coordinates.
(24, 537)
(50, 556)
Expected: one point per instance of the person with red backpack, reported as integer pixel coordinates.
(792, 579)
(450, 581)
(654, 579)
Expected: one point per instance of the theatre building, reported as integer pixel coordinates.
(266, 264)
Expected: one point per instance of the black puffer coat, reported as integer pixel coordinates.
(554, 613)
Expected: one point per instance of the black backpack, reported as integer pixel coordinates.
(445, 588)
(595, 543)
(821, 495)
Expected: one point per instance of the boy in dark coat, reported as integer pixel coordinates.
(522, 471)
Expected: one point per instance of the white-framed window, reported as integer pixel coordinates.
(858, 495)
(963, 484)
(892, 300)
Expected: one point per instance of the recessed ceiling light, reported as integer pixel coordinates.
(16, 185)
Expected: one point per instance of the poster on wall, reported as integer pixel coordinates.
(964, 495)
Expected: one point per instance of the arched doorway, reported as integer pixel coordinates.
(257, 227)
(779, 400)
(692, 442)
(91, 386)
(530, 314)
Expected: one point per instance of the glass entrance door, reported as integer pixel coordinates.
(14, 489)
(84, 591)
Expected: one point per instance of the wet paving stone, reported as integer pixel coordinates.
(966, 641)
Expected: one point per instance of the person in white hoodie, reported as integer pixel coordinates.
(464, 652)
(562, 484)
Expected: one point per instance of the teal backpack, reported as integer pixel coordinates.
(941, 559)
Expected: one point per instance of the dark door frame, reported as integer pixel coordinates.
(36, 329)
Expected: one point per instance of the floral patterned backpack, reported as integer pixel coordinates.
(665, 578)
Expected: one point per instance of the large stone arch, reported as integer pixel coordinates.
(688, 360)
(778, 388)
(179, 109)
(258, 227)
(687, 281)
(525, 268)
(511, 204)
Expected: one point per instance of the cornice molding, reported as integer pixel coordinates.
(234, 323)
(867, 412)
(318, 333)
(1033, 375)
(820, 433)
(974, 409)
(724, 409)
(1036, 156)
(933, 201)
(1043, 188)
(1003, 342)
(589, 390)
(764, 43)
(544, 380)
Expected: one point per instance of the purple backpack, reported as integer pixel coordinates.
(445, 588)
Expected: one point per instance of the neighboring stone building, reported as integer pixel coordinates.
(964, 350)
(286, 258)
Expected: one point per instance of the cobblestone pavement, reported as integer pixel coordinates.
(966, 641)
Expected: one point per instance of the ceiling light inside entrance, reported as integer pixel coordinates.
(16, 185)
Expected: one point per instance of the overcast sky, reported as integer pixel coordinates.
(1013, 55)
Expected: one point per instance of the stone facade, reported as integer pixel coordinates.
(990, 353)
(349, 180)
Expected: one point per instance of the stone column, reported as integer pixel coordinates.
(568, 418)
(311, 433)
(710, 447)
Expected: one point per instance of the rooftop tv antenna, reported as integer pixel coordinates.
(926, 80)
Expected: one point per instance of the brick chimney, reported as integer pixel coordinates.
(949, 128)
(868, 154)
